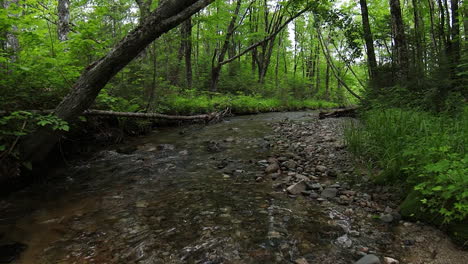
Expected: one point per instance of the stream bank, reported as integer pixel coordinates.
(200, 194)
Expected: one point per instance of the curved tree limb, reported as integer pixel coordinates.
(168, 15)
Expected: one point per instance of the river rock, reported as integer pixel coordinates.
(301, 261)
(344, 241)
(387, 218)
(290, 164)
(297, 188)
(329, 192)
(302, 177)
(388, 260)
(273, 167)
(321, 168)
(315, 186)
(368, 259)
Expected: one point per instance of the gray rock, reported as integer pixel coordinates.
(297, 188)
(274, 167)
(314, 195)
(329, 192)
(290, 164)
(388, 260)
(321, 168)
(344, 241)
(368, 259)
(315, 186)
(302, 177)
(274, 176)
(387, 218)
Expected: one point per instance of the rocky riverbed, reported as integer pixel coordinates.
(269, 188)
(312, 163)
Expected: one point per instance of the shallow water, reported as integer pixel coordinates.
(186, 195)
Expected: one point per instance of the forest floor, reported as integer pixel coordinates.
(267, 188)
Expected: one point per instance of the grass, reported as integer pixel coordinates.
(420, 150)
(239, 104)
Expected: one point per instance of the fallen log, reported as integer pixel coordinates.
(206, 117)
(349, 112)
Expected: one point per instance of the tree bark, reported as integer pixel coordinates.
(418, 29)
(12, 42)
(167, 16)
(218, 57)
(187, 45)
(433, 34)
(399, 38)
(371, 60)
(327, 82)
(63, 10)
(455, 35)
(144, 7)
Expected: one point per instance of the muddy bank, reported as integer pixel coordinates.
(200, 194)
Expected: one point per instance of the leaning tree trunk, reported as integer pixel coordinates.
(167, 16)
(63, 10)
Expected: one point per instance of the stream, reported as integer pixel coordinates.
(193, 194)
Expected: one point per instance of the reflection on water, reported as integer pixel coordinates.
(185, 195)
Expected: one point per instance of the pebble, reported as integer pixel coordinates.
(329, 192)
(387, 218)
(321, 168)
(344, 241)
(273, 167)
(301, 261)
(388, 260)
(368, 259)
(297, 188)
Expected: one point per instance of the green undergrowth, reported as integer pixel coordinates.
(423, 152)
(239, 104)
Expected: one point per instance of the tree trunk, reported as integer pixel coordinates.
(433, 35)
(465, 21)
(144, 7)
(400, 45)
(63, 10)
(418, 29)
(12, 42)
(167, 16)
(455, 35)
(218, 57)
(187, 45)
(371, 60)
(327, 82)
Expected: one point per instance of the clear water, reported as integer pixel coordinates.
(187, 195)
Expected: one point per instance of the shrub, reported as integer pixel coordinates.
(423, 151)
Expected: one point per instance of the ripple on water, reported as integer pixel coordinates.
(170, 201)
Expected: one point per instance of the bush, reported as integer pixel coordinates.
(423, 151)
